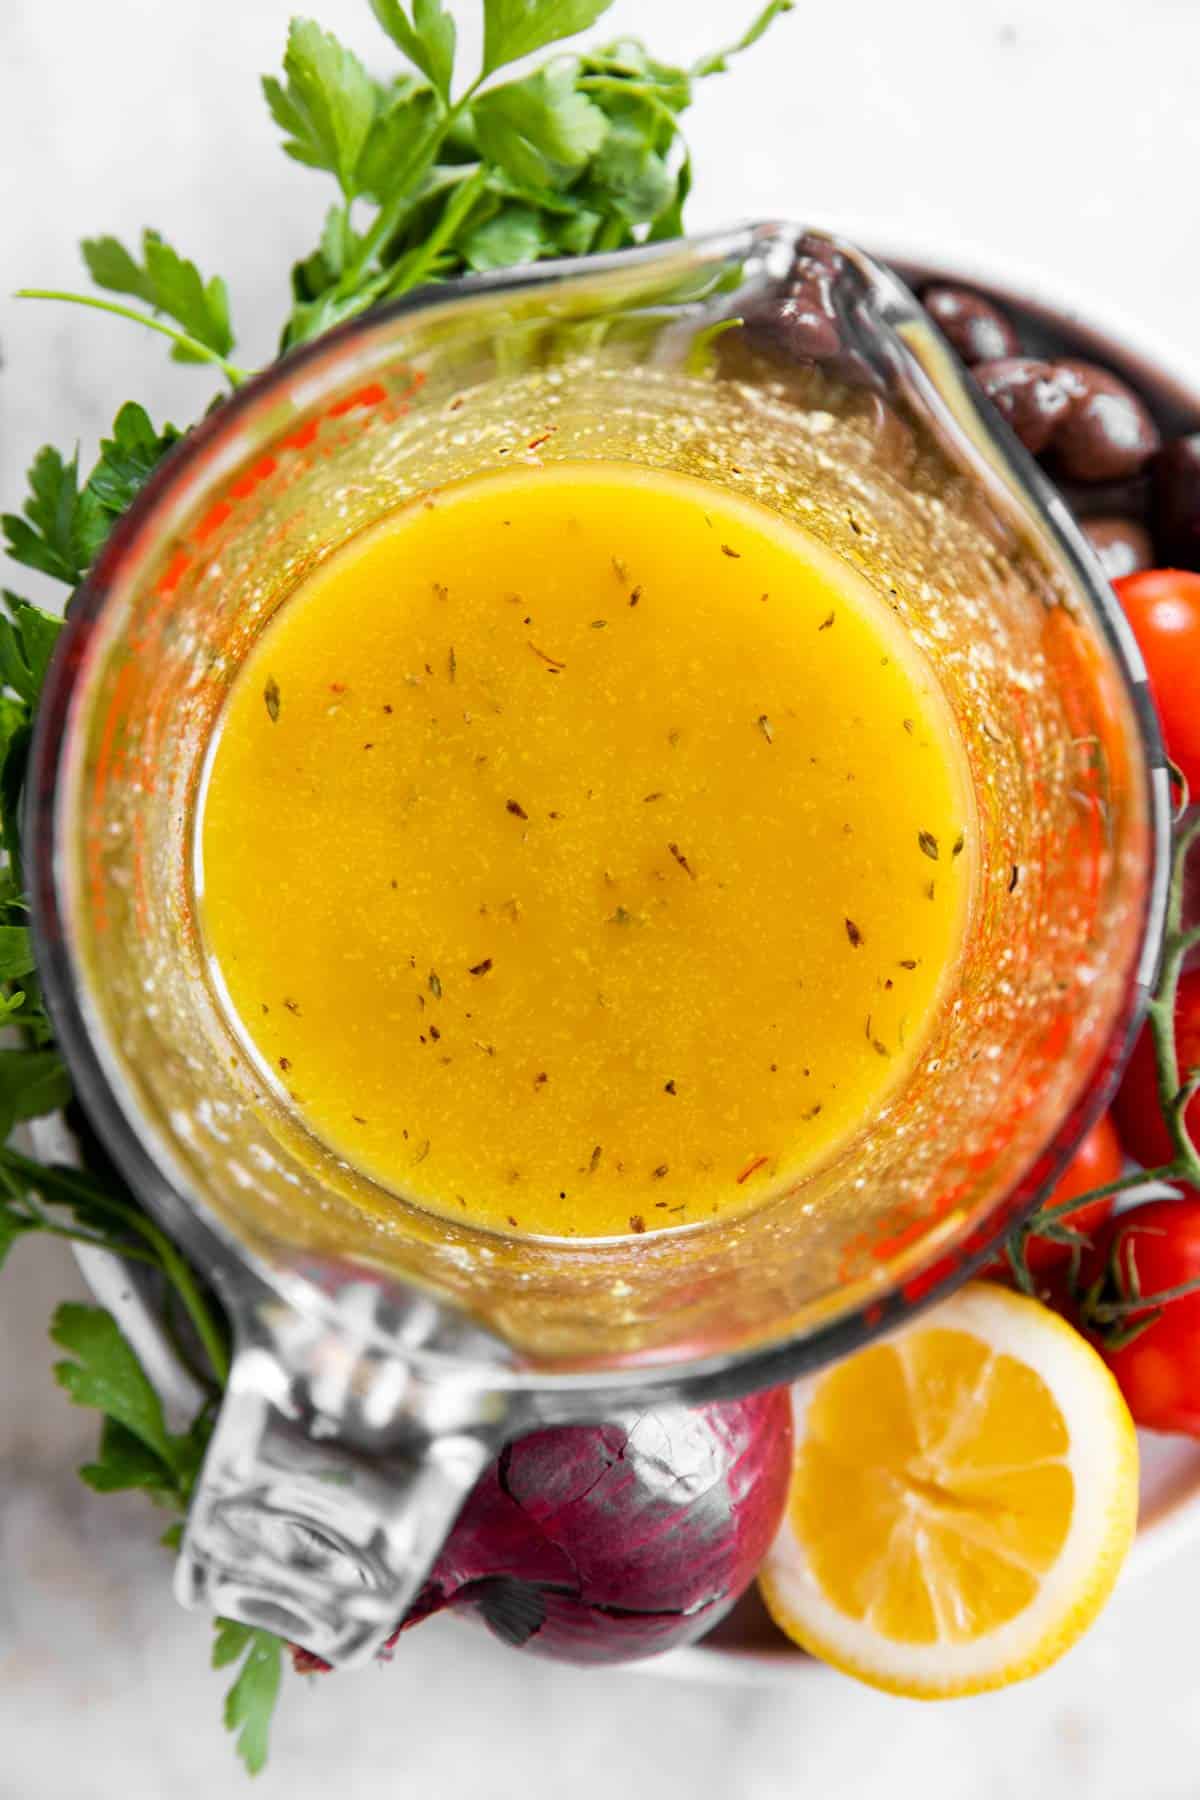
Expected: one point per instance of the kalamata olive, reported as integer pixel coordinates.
(797, 324)
(803, 321)
(1175, 502)
(1030, 395)
(1128, 499)
(1108, 432)
(1122, 545)
(977, 329)
(810, 322)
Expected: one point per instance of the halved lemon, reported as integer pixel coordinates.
(962, 1498)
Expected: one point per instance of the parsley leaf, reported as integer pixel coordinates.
(32, 1084)
(429, 259)
(13, 1226)
(516, 234)
(27, 640)
(136, 1448)
(106, 1216)
(669, 223)
(169, 284)
(429, 40)
(328, 106)
(128, 457)
(14, 717)
(644, 78)
(16, 952)
(541, 130)
(250, 1702)
(14, 758)
(24, 1010)
(400, 144)
(61, 526)
(232, 1641)
(125, 1462)
(106, 1374)
(37, 633)
(630, 177)
(515, 28)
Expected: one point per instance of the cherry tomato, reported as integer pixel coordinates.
(1154, 1247)
(1163, 606)
(1136, 1108)
(1097, 1160)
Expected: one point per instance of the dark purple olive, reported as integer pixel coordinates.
(977, 329)
(799, 324)
(1122, 545)
(1128, 499)
(1030, 395)
(1175, 502)
(803, 320)
(811, 322)
(1108, 433)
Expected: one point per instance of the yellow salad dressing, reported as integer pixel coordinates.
(583, 851)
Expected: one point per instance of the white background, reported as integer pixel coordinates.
(1058, 134)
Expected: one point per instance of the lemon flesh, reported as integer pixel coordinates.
(962, 1498)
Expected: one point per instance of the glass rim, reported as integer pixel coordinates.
(911, 1280)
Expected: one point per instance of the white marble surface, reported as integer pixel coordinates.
(1048, 135)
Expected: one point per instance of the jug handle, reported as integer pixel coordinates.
(340, 1460)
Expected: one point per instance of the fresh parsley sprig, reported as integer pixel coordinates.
(583, 154)
(250, 1702)
(171, 286)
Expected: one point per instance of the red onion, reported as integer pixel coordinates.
(603, 1543)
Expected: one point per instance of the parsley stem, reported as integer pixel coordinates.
(24, 1208)
(413, 270)
(634, 90)
(611, 234)
(127, 1252)
(232, 373)
(714, 62)
(388, 216)
(69, 1187)
(199, 1312)
(392, 211)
